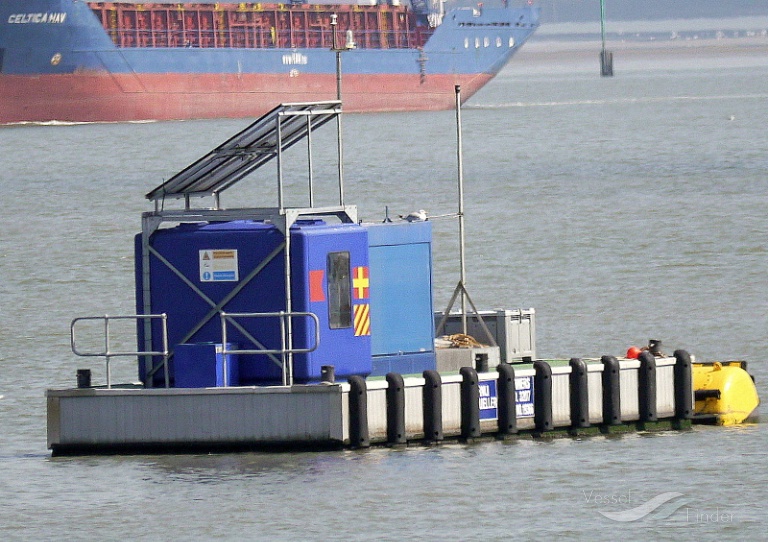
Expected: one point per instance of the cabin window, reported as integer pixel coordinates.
(339, 290)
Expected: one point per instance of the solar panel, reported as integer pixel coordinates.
(243, 153)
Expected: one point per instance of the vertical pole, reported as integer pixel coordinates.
(106, 350)
(334, 23)
(283, 344)
(109, 374)
(164, 322)
(146, 298)
(337, 50)
(279, 163)
(309, 161)
(606, 57)
(459, 158)
(224, 350)
(602, 23)
(288, 333)
(338, 71)
(340, 155)
(287, 359)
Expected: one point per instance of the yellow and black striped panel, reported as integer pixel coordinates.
(362, 320)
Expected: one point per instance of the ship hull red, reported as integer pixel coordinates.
(103, 97)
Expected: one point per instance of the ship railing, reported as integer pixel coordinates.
(262, 38)
(108, 353)
(286, 350)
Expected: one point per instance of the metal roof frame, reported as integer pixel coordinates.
(248, 150)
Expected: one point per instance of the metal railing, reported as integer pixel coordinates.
(108, 354)
(286, 350)
(262, 38)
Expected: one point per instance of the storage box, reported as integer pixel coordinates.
(514, 331)
(204, 365)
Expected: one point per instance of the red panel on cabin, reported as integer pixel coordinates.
(316, 292)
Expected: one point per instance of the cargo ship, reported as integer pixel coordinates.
(78, 61)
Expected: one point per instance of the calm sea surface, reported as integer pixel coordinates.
(622, 209)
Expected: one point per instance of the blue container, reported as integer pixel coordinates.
(239, 267)
(331, 279)
(203, 365)
(400, 256)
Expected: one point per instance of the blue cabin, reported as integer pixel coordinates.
(265, 296)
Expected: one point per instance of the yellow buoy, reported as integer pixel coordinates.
(724, 392)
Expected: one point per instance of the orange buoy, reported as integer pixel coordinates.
(633, 352)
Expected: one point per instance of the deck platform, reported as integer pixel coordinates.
(572, 396)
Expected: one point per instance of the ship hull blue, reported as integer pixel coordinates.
(57, 62)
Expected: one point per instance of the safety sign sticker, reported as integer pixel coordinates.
(218, 266)
(524, 396)
(489, 398)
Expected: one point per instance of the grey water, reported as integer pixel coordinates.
(621, 209)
